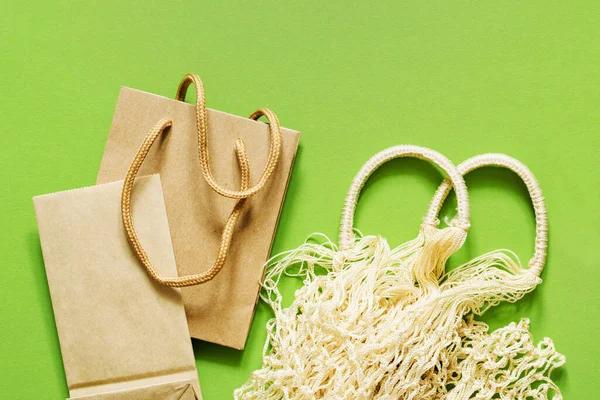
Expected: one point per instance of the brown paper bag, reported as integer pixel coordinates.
(122, 335)
(219, 311)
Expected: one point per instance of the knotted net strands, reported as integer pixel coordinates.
(377, 322)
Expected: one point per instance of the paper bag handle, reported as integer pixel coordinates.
(347, 223)
(188, 280)
(536, 264)
(274, 151)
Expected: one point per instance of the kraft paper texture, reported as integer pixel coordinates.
(120, 333)
(221, 310)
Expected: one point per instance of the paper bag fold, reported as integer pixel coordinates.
(170, 391)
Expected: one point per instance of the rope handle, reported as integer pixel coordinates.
(274, 152)
(423, 153)
(536, 264)
(188, 280)
(241, 195)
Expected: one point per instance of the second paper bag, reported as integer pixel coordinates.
(221, 310)
(122, 335)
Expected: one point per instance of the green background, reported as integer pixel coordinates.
(467, 77)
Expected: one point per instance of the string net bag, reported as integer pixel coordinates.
(342, 336)
(375, 322)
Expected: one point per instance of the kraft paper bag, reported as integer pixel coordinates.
(221, 310)
(122, 335)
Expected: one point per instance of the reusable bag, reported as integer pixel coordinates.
(122, 335)
(204, 227)
(375, 322)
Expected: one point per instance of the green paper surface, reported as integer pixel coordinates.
(462, 77)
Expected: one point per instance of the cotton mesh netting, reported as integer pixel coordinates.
(375, 322)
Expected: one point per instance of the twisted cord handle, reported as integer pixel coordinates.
(536, 264)
(241, 195)
(201, 122)
(347, 224)
(188, 280)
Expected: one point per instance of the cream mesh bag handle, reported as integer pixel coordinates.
(347, 224)
(536, 264)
